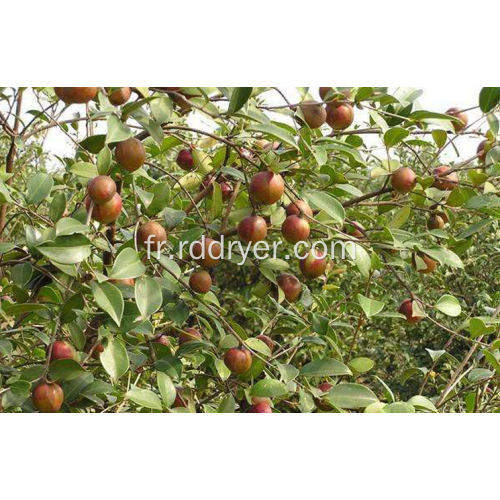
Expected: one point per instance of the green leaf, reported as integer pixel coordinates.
(400, 218)
(326, 202)
(440, 137)
(4, 193)
(148, 296)
(370, 307)
(85, 170)
(39, 187)
(21, 274)
(66, 249)
(239, 97)
(444, 256)
(288, 372)
(258, 346)
(127, 265)
(422, 403)
(399, 408)
(144, 398)
(326, 367)
(477, 327)
(65, 369)
(109, 298)
(104, 159)
(489, 98)
(115, 359)
(227, 405)
(269, 388)
(167, 388)
(362, 365)
(276, 132)
(449, 305)
(351, 396)
(395, 135)
(117, 130)
(69, 226)
(58, 206)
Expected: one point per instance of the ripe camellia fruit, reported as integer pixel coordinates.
(76, 95)
(185, 159)
(200, 282)
(267, 188)
(267, 340)
(404, 180)
(102, 189)
(120, 96)
(252, 229)
(290, 285)
(445, 182)
(461, 115)
(131, 154)
(260, 408)
(48, 398)
(153, 233)
(483, 149)
(431, 265)
(314, 114)
(123, 282)
(189, 335)
(299, 207)
(208, 253)
(62, 350)
(106, 212)
(238, 360)
(435, 222)
(314, 265)
(339, 116)
(325, 386)
(355, 229)
(406, 308)
(295, 229)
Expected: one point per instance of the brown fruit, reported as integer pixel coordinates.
(267, 340)
(295, 229)
(404, 180)
(180, 400)
(290, 285)
(120, 96)
(314, 114)
(238, 360)
(298, 207)
(435, 222)
(406, 308)
(266, 146)
(154, 233)
(252, 229)
(164, 340)
(124, 282)
(106, 212)
(260, 408)
(185, 159)
(76, 95)
(98, 350)
(200, 282)
(207, 252)
(130, 154)
(461, 115)
(442, 181)
(314, 265)
(267, 188)
(48, 398)
(102, 189)
(189, 335)
(339, 116)
(62, 350)
(483, 149)
(431, 264)
(324, 91)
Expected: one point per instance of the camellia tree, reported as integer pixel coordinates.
(118, 291)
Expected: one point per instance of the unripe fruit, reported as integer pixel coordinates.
(435, 222)
(76, 95)
(404, 180)
(200, 282)
(106, 212)
(252, 229)
(442, 181)
(189, 335)
(290, 285)
(267, 340)
(339, 116)
(462, 116)
(238, 360)
(48, 398)
(406, 308)
(314, 265)
(62, 350)
(102, 189)
(185, 159)
(120, 96)
(267, 188)
(152, 236)
(130, 154)
(295, 229)
(431, 264)
(260, 408)
(483, 149)
(297, 207)
(208, 253)
(314, 114)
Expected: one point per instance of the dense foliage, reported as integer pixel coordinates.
(405, 321)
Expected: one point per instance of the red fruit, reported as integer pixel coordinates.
(339, 116)
(189, 335)
(483, 149)
(185, 159)
(260, 408)
(62, 350)
(314, 265)
(48, 398)
(252, 229)
(238, 360)
(295, 229)
(325, 386)
(435, 222)
(406, 308)
(431, 264)
(462, 116)
(290, 285)
(164, 340)
(268, 341)
(120, 96)
(130, 154)
(76, 95)
(225, 187)
(98, 349)
(180, 402)
(102, 189)
(445, 182)
(106, 212)
(200, 282)
(314, 114)
(299, 207)
(404, 180)
(267, 188)
(154, 233)
(355, 229)
(207, 252)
